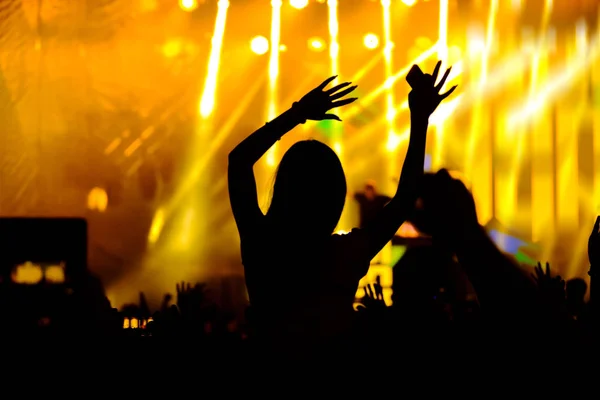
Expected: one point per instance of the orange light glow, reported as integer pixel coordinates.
(371, 41)
(316, 44)
(259, 45)
(299, 4)
(188, 5)
(98, 199)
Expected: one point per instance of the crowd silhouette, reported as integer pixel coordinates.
(302, 281)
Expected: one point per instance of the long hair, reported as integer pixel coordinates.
(309, 190)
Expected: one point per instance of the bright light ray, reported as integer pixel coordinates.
(478, 137)
(207, 103)
(271, 157)
(197, 169)
(373, 95)
(556, 84)
(442, 56)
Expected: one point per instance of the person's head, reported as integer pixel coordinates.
(370, 190)
(576, 289)
(444, 206)
(310, 189)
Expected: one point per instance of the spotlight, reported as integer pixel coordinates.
(98, 199)
(371, 41)
(188, 5)
(410, 3)
(259, 45)
(299, 4)
(316, 44)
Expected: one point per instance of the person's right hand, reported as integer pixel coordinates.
(316, 103)
(552, 288)
(425, 97)
(594, 244)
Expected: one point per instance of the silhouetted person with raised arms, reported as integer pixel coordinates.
(370, 203)
(302, 278)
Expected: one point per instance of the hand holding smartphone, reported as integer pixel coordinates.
(414, 76)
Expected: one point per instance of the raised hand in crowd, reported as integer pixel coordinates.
(316, 104)
(190, 299)
(425, 95)
(551, 290)
(373, 296)
(424, 98)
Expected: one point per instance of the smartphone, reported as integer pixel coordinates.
(414, 76)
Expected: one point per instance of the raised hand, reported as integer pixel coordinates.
(594, 245)
(316, 103)
(190, 299)
(551, 287)
(425, 96)
(373, 298)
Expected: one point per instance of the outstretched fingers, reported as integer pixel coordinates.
(436, 71)
(326, 82)
(341, 94)
(332, 116)
(440, 85)
(337, 87)
(340, 103)
(449, 92)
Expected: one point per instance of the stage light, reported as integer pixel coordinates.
(316, 44)
(259, 45)
(410, 3)
(371, 41)
(298, 3)
(188, 5)
(98, 199)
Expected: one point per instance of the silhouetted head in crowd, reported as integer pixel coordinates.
(576, 289)
(370, 190)
(309, 191)
(444, 207)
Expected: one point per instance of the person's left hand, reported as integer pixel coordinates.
(316, 103)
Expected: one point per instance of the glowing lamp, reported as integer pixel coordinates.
(371, 41)
(188, 5)
(259, 45)
(299, 4)
(316, 44)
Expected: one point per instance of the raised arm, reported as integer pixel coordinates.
(423, 100)
(242, 184)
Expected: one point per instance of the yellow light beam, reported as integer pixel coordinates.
(197, 169)
(207, 102)
(479, 169)
(271, 157)
(390, 107)
(442, 50)
(370, 97)
(489, 40)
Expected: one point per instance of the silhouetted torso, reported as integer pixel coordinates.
(302, 289)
